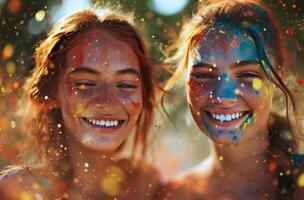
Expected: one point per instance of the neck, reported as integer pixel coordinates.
(248, 154)
(88, 166)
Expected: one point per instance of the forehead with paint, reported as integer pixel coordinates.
(99, 49)
(226, 87)
(224, 46)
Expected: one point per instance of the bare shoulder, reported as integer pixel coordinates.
(18, 181)
(190, 184)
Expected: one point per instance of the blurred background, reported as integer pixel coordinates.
(23, 23)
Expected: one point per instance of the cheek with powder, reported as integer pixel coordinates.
(257, 84)
(197, 91)
(128, 99)
(136, 105)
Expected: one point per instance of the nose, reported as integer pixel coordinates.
(225, 92)
(105, 96)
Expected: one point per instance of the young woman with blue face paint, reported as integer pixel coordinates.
(91, 88)
(233, 55)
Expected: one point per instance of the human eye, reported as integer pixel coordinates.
(126, 87)
(84, 85)
(201, 76)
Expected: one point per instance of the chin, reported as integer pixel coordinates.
(100, 143)
(224, 139)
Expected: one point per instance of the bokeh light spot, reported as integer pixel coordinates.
(301, 180)
(39, 16)
(111, 184)
(36, 27)
(25, 196)
(14, 6)
(167, 7)
(7, 51)
(10, 67)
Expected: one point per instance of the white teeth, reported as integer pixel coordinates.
(226, 117)
(222, 118)
(103, 123)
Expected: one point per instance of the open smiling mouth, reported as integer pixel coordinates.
(227, 118)
(103, 123)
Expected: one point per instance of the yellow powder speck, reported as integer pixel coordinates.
(257, 83)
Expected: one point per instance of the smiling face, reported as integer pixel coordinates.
(228, 93)
(100, 91)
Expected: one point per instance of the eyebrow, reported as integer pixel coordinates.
(236, 64)
(130, 71)
(81, 69)
(202, 65)
(92, 71)
(245, 63)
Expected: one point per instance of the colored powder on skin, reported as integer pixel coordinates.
(79, 109)
(257, 84)
(136, 105)
(249, 119)
(231, 133)
(105, 56)
(234, 136)
(205, 125)
(227, 88)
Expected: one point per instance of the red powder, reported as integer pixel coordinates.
(136, 105)
(272, 166)
(300, 81)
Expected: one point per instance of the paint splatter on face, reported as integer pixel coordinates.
(100, 91)
(227, 86)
